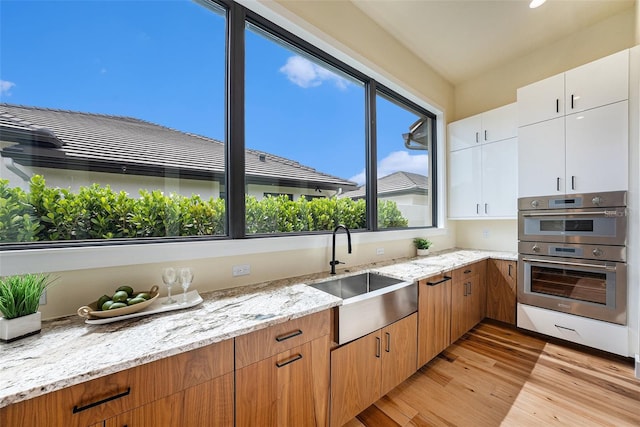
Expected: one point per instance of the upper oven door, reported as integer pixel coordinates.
(603, 226)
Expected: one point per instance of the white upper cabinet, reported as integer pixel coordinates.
(597, 149)
(541, 159)
(494, 125)
(592, 85)
(540, 101)
(483, 160)
(598, 83)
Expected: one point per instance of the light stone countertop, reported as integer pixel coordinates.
(68, 351)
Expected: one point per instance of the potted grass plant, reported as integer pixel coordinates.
(19, 303)
(422, 245)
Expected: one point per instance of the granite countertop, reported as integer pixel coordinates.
(68, 351)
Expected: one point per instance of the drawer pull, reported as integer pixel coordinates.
(444, 279)
(468, 271)
(388, 347)
(285, 337)
(378, 347)
(288, 361)
(77, 409)
(564, 327)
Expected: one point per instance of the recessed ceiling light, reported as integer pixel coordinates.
(536, 3)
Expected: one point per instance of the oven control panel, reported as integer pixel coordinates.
(568, 250)
(574, 201)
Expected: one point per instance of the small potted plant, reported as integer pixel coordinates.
(422, 245)
(19, 303)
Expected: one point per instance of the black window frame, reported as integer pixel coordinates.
(237, 17)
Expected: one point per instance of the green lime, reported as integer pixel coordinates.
(106, 305)
(127, 289)
(135, 300)
(144, 295)
(102, 300)
(117, 305)
(120, 296)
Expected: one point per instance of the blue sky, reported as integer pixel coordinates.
(163, 61)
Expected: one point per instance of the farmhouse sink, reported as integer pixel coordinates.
(370, 301)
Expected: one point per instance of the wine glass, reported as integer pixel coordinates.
(186, 277)
(169, 278)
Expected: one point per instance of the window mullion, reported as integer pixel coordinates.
(372, 155)
(235, 141)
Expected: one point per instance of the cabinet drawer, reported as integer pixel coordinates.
(102, 398)
(268, 342)
(464, 273)
(592, 333)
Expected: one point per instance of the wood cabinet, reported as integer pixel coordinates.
(601, 82)
(282, 376)
(483, 176)
(573, 135)
(364, 370)
(501, 290)
(468, 298)
(127, 393)
(434, 317)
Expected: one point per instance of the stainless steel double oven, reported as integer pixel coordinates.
(572, 254)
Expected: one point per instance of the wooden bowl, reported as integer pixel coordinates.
(91, 311)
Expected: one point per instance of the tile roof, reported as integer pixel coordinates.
(395, 183)
(119, 142)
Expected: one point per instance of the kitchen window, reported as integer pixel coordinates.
(175, 124)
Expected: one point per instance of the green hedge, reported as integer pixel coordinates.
(95, 212)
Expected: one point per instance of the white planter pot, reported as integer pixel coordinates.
(422, 252)
(20, 327)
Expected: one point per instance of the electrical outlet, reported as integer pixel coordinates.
(241, 270)
(43, 298)
(380, 251)
(485, 233)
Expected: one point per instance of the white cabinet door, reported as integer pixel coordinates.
(465, 133)
(500, 178)
(540, 101)
(597, 149)
(598, 83)
(541, 159)
(500, 123)
(464, 183)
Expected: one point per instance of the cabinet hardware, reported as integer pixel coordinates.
(467, 271)
(563, 327)
(289, 360)
(572, 101)
(77, 408)
(485, 207)
(476, 136)
(509, 273)
(378, 347)
(557, 105)
(469, 288)
(285, 337)
(485, 135)
(388, 346)
(444, 279)
(558, 183)
(573, 182)
(477, 208)
(465, 288)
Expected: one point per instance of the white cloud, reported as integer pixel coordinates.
(397, 161)
(306, 74)
(5, 87)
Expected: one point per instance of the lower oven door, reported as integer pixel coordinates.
(593, 289)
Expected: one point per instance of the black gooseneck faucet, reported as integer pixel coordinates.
(334, 261)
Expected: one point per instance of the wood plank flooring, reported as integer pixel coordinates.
(498, 376)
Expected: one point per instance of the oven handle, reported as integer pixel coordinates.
(611, 213)
(573, 264)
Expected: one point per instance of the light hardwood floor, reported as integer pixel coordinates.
(498, 376)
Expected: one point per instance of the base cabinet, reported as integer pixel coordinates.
(501, 290)
(468, 298)
(434, 317)
(364, 370)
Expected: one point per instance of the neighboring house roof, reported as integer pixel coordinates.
(76, 140)
(395, 184)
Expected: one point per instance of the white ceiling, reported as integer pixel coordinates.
(461, 39)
